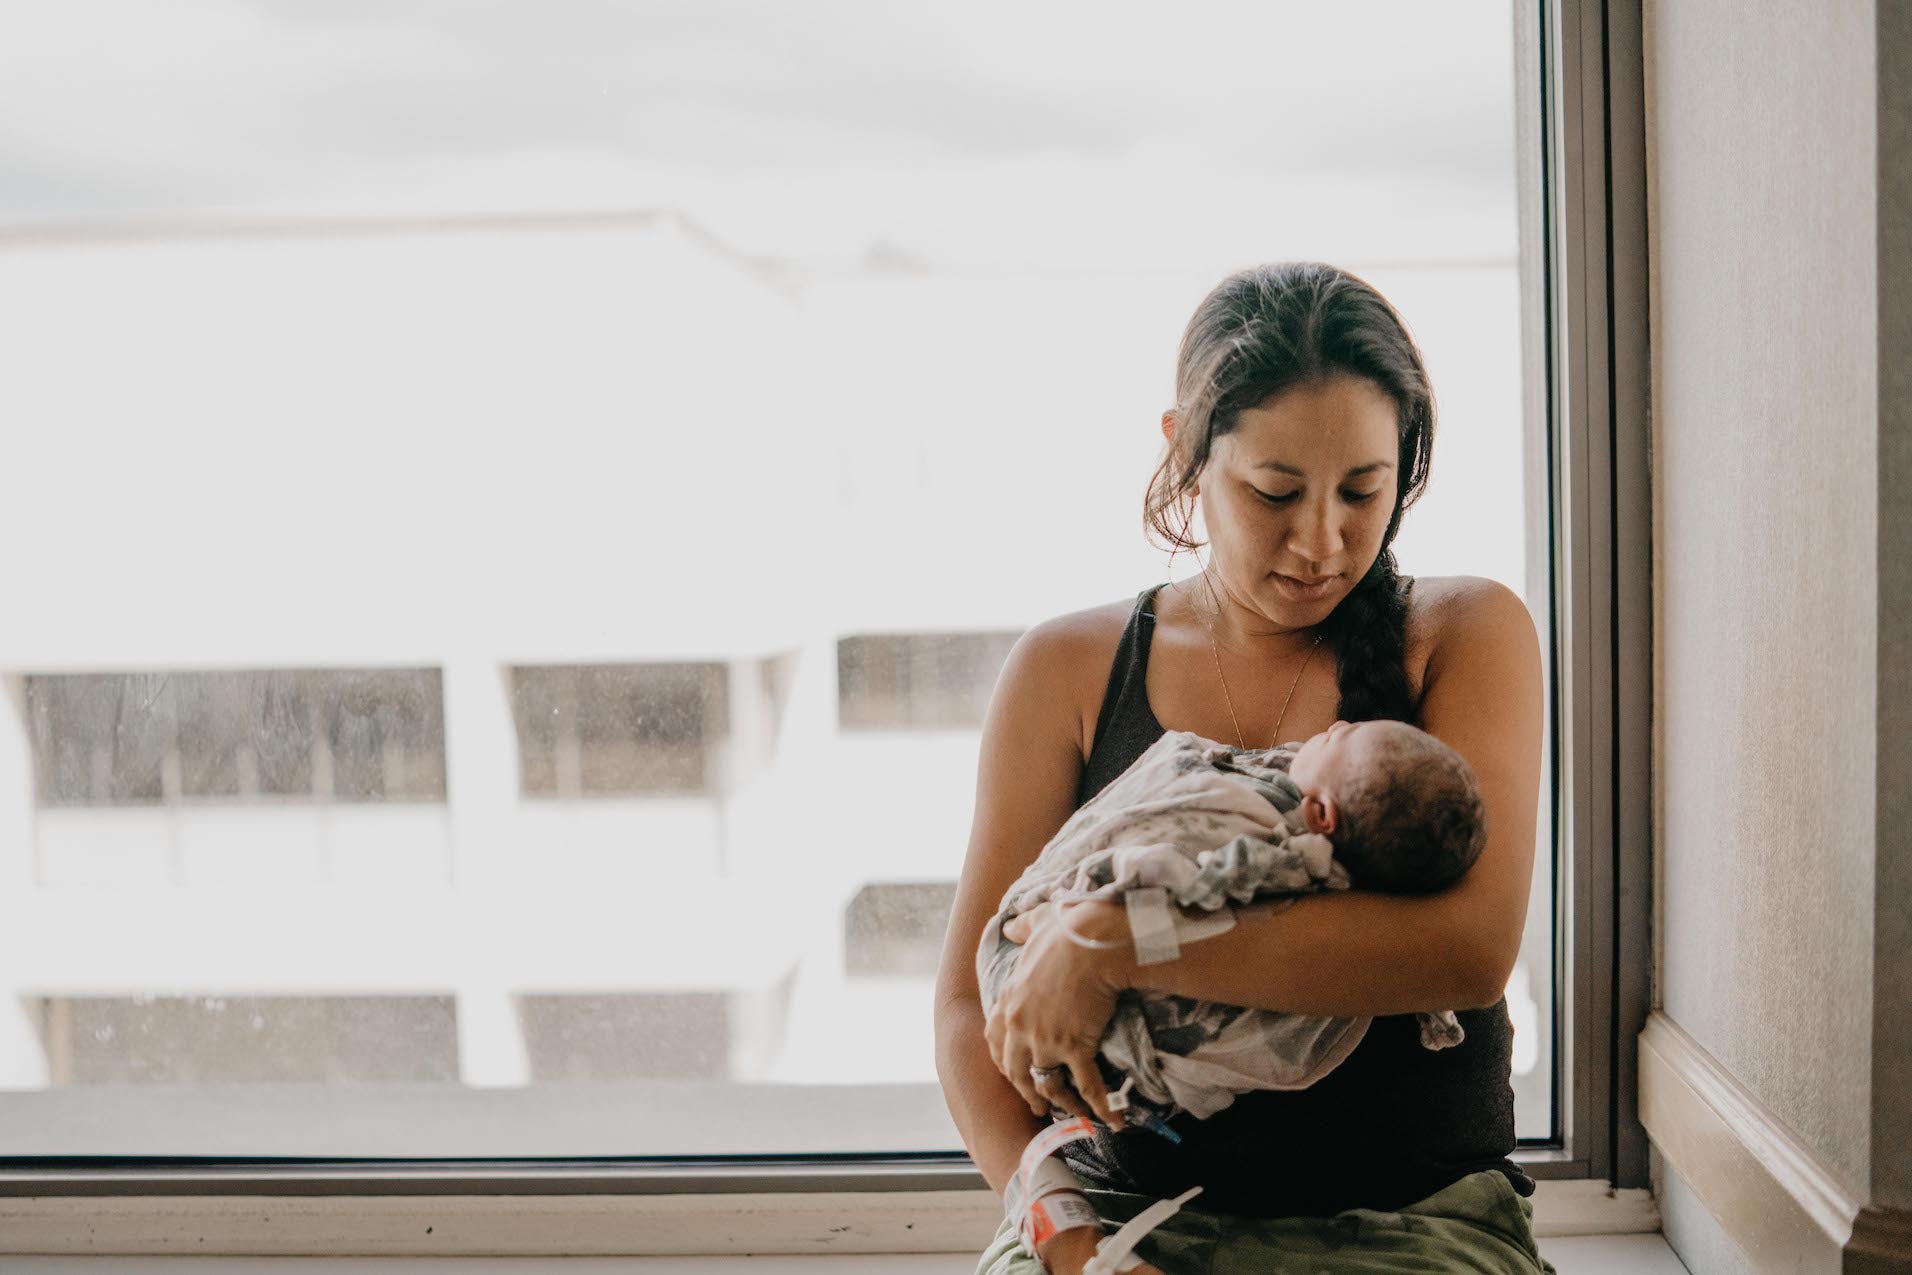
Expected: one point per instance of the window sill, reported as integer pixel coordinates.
(1576, 1255)
(605, 1222)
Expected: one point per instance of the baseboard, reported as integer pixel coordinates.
(1769, 1193)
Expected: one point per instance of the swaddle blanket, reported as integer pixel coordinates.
(1211, 824)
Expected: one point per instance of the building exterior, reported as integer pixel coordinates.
(526, 653)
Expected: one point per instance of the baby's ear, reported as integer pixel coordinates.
(1321, 813)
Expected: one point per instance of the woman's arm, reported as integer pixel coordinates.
(1030, 764)
(1026, 777)
(1357, 952)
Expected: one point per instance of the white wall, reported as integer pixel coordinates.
(1764, 215)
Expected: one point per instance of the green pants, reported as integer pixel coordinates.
(1477, 1224)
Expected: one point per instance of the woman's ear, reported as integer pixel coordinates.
(1321, 813)
(1169, 421)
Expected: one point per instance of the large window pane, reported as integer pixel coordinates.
(522, 508)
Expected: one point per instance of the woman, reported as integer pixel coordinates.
(1303, 426)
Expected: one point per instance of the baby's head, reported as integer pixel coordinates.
(1401, 807)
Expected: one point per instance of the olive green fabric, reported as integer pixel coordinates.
(1477, 1224)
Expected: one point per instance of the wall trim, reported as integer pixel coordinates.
(1769, 1193)
(601, 1225)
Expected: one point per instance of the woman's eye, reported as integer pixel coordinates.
(1282, 499)
(1359, 497)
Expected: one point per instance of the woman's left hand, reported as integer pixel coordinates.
(1056, 1003)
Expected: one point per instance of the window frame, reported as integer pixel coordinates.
(1588, 240)
(1599, 423)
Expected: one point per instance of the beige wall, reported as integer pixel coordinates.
(1763, 216)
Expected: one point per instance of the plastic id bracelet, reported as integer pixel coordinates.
(1043, 1195)
(1057, 1211)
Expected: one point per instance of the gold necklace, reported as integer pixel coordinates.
(1212, 646)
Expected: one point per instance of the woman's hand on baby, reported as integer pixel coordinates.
(1056, 1004)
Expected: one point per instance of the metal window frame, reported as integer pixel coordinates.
(1599, 442)
(1593, 253)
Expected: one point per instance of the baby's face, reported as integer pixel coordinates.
(1325, 761)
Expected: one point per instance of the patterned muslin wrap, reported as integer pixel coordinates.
(1213, 825)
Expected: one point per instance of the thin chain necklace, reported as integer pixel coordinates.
(1213, 646)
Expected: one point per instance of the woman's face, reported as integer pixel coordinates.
(1297, 498)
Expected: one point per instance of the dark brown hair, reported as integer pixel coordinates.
(1267, 329)
(1412, 819)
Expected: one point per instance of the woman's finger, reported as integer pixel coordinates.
(1087, 1078)
(1010, 1053)
(1061, 1093)
(1015, 1069)
(1032, 1094)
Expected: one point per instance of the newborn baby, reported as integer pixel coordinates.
(1401, 807)
(1380, 805)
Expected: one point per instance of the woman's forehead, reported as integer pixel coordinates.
(1342, 423)
(1302, 449)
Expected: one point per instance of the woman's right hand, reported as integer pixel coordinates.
(1067, 1252)
(1056, 1003)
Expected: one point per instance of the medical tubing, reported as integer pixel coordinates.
(1075, 936)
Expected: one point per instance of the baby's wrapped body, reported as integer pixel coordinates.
(1209, 825)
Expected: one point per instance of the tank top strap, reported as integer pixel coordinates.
(1126, 725)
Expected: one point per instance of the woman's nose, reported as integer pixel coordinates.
(1316, 538)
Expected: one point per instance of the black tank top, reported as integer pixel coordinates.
(1392, 1124)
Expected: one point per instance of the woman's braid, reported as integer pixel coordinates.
(1368, 634)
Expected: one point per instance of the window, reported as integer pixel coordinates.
(187, 738)
(193, 1040)
(918, 681)
(686, 1035)
(620, 729)
(608, 521)
(894, 927)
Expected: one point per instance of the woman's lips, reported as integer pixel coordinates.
(1302, 590)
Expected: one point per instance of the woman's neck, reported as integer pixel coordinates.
(1241, 629)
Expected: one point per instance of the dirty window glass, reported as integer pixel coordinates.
(517, 510)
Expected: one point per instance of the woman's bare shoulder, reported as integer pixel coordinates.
(1076, 650)
(1103, 622)
(1445, 598)
(1448, 614)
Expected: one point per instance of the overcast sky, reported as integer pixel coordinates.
(957, 135)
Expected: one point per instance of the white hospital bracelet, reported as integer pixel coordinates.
(1040, 1169)
(1031, 1185)
(1051, 1214)
(1052, 1174)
